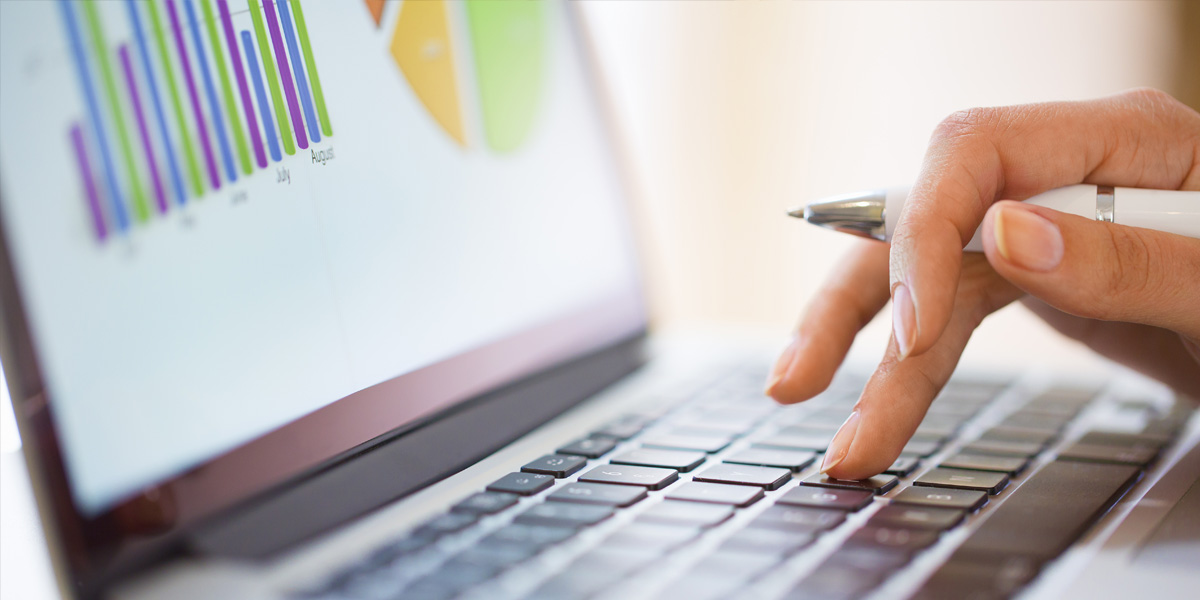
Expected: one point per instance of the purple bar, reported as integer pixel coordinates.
(240, 72)
(89, 184)
(285, 73)
(141, 121)
(213, 176)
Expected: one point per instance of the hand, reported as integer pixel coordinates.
(1130, 294)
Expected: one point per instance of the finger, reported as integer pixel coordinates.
(1152, 351)
(1097, 270)
(899, 392)
(844, 305)
(1142, 138)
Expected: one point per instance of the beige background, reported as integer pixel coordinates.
(734, 111)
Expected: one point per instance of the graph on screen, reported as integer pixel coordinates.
(187, 103)
(507, 45)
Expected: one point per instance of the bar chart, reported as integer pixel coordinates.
(188, 104)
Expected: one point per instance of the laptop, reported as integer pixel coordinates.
(339, 300)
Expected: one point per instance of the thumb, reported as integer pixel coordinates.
(1097, 270)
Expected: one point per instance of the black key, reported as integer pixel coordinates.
(768, 541)
(917, 517)
(895, 538)
(460, 575)
(1130, 440)
(815, 441)
(556, 465)
(443, 524)
(561, 514)
(599, 493)
(869, 560)
(960, 578)
(879, 484)
(651, 536)
(1051, 509)
(968, 500)
(680, 460)
(647, 477)
(794, 460)
(962, 479)
(1000, 448)
(1125, 455)
(674, 441)
(523, 484)
(834, 582)
(849, 500)
(951, 409)
(768, 478)
(1013, 434)
(485, 503)
(1031, 420)
(671, 512)
(624, 427)
(920, 448)
(593, 447)
(537, 535)
(982, 462)
(903, 466)
(717, 493)
(799, 518)
(499, 554)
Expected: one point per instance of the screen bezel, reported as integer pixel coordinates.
(91, 552)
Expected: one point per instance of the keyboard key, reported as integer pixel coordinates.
(537, 535)
(794, 460)
(593, 447)
(1002, 448)
(672, 441)
(575, 584)
(561, 514)
(869, 559)
(1130, 440)
(849, 500)
(647, 477)
(903, 466)
(680, 460)
(652, 537)
(917, 517)
(799, 518)
(624, 427)
(556, 465)
(920, 448)
(498, 554)
(1126, 455)
(740, 566)
(485, 503)
(522, 484)
(764, 477)
(768, 541)
(1051, 509)
(879, 484)
(622, 561)
(717, 493)
(671, 512)
(959, 578)
(1012, 434)
(814, 441)
(967, 500)
(599, 493)
(895, 538)
(982, 462)
(834, 582)
(986, 481)
(1037, 421)
(444, 524)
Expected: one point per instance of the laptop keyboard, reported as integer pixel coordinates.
(721, 493)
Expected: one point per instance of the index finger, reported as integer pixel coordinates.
(1141, 138)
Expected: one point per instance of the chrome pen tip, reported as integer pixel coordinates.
(859, 213)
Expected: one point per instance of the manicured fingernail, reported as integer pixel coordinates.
(840, 445)
(783, 364)
(904, 319)
(1027, 240)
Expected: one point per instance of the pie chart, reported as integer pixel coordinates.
(506, 42)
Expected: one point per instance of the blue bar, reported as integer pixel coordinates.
(152, 83)
(218, 121)
(289, 32)
(260, 93)
(89, 94)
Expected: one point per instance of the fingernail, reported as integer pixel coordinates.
(1028, 240)
(904, 319)
(840, 445)
(783, 364)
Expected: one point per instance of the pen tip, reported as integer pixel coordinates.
(797, 212)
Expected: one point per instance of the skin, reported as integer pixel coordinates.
(1132, 295)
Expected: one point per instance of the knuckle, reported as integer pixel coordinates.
(1129, 276)
(965, 123)
(1150, 96)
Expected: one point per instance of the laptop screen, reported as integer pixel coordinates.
(223, 216)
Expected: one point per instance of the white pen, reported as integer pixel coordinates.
(873, 214)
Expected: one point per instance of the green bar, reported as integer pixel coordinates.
(315, 82)
(264, 48)
(180, 119)
(100, 47)
(231, 109)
